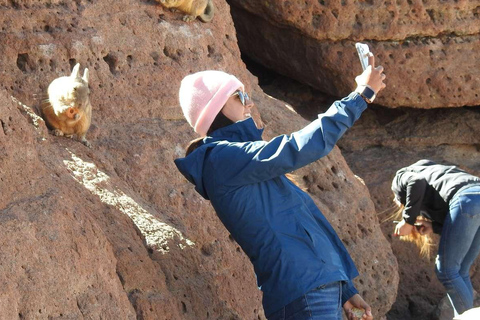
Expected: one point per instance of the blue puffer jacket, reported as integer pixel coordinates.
(292, 246)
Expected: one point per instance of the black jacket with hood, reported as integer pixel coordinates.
(426, 188)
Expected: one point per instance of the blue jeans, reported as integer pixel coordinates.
(324, 302)
(459, 247)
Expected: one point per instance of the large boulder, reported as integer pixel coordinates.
(429, 49)
(115, 231)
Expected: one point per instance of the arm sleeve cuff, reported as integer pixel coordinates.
(360, 103)
(348, 291)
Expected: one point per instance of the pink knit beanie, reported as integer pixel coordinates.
(203, 95)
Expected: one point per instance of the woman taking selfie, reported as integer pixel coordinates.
(301, 265)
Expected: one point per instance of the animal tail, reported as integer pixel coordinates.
(45, 104)
(42, 112)
(41, 99)
(208, 13)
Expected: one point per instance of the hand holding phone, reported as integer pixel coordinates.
(363, 53)
(370, 82)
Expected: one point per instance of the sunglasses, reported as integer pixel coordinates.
(243, 97)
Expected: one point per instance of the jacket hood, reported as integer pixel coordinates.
(192, 166)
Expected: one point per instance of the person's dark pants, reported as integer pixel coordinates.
(324, 302)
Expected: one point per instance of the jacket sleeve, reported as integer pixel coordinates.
(415, 192)
(244, 163)
(348, 291)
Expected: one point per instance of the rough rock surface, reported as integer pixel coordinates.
(381, 142)
(114, 231)
(429, 48)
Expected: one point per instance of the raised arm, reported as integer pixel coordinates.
(258, 161)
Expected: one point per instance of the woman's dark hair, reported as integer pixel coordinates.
(220, 121)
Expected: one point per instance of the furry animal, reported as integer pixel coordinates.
(68, 111)
(203, 9)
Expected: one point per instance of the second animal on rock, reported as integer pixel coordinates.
(68, 111)
(203, 9)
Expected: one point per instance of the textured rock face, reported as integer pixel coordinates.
(114, 231)
(56, 261)
(429, 48)
(371, 19)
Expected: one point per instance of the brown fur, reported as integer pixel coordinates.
(203, 9)
(68, 111)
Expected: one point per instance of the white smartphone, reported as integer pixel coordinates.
(363, 52)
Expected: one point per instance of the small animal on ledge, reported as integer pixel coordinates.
(68, 111)
(203, 9)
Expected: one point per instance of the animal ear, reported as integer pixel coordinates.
(85, 75)
(75, 71)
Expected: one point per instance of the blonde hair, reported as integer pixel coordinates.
(423, 242)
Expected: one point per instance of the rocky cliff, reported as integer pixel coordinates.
(115, 232)
(430, 48)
